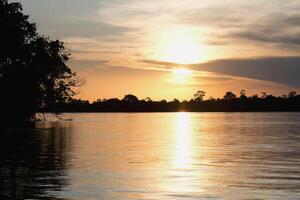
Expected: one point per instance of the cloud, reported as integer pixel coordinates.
(284, 70)
(83, 65)
(286, 39)
(100, 52)
(276, 28)
(227, 23)
(163, 64)
(86, 28)
(248, 23)
(71, 18)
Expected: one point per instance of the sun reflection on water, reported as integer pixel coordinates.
(183, 147)
(182, 169)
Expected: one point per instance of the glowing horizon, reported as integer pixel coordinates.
(139, 46)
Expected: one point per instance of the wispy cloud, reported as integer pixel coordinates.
(284, 70)
(87, 28)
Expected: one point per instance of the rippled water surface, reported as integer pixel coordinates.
(154, 156)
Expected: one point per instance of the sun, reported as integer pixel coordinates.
(182, 72)
(183, 51)
(178, 45)
(181, 75)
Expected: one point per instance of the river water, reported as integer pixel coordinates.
(147, 156)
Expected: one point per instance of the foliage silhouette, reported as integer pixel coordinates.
(229, 96)
(292, 94)
(229, 103)
(130, 98)
(243, 94)
(33, 70)
(199, 95)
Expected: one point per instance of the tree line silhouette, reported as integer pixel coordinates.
(229, 103)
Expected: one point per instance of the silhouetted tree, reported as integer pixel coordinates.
(176, 101)
(264, 95)
(130, 98)
(255, 96)
(98, 101)
(229, 96)
(33, 70)
(199, 95)
(292, 94)
(148, 99)
(243, 94)
(212, 99)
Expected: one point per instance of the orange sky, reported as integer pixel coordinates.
(169, 49)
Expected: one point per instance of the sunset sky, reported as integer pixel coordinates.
(169, 49)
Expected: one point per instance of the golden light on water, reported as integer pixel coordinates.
(183, 161)
(183, 147)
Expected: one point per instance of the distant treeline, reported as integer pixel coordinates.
(229, 103)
